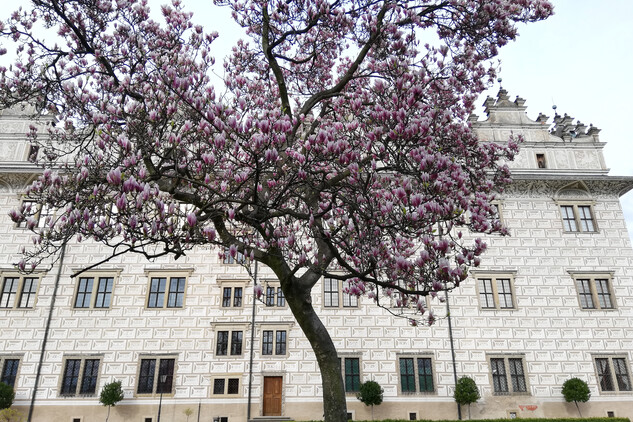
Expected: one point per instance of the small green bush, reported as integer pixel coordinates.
(6, 396)
(576, 390)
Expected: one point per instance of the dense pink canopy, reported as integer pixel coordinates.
(342, 146)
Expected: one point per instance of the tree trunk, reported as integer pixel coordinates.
(578, 407)
(300, 303)
(108, 415)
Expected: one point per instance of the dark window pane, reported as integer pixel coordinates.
(604, 374)
(10, 371)
(165, 375)
(146, 376)
(90, 375)
(270, 296)
(425, 374)
(71, 376)
(621, 374)
(267, 342)
(218, 386)
(237, 297)
(407, 375)
(226, 297)
(233, 386)
(280, 344)
(352, 374)
(9, 290)
(517, 375)
(222, 343)
(499, 379)
(236, 343)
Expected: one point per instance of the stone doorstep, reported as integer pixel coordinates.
(270, 419)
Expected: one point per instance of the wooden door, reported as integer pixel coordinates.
(272, 396)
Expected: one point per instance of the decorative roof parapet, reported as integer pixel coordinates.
(565, 128)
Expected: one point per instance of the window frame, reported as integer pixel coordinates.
(277, 299)
(229, 328)
(157, 368)
(416, 358)
(343, 358)
(612, 373)
(592, 278)
(577, 217)
(225, 389)
(97, 278)
(4, 359)
(341, 296)
(18, 294)
(509, 374)
(495, 293)
(81, 376)
(169, 277)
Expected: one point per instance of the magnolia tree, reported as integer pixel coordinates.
(340, 146)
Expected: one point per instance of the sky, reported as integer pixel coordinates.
(580, 60)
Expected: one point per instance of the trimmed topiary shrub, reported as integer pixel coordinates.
(370, 393)
(576, 390)
(466, 392)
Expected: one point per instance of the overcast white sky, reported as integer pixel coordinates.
(580, 60)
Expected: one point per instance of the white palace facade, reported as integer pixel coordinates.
(552, 301)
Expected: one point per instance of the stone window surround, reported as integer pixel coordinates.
(83, 357)
(415, 356)
(593, 276)
(158, 357)
(168, 274)
(506, 357)
(494, 276)
(20, 288)
(115, 274)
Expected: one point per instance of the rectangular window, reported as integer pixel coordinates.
(333, 290)
(496, 292)
(151, 383)
(172, 287)
(594, 291)
(275, 296)
(232, 296)
(9, 370)
(12, 285)
(80, 376)
(274, 342)
(352, 374)
(228, 342)
(267, 342)
(330, 293)
(500, 368)
(86, 297)
(577, 218)
(416, 375)
(226, 386)
(613, 374)
(236, 343)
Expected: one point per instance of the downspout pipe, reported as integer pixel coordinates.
(250, 367)
(47, 331)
